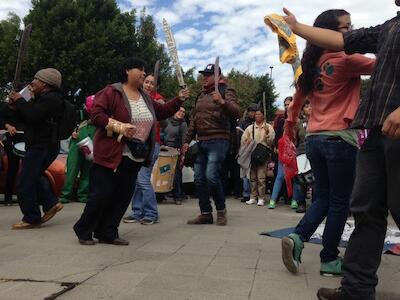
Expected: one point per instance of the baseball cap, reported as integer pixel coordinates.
(209, 69)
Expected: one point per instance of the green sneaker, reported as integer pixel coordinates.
(294, 205)
(272, 204)
(63, 200)
(332, 268)
(292, 246)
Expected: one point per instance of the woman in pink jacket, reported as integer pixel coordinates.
(331, 80)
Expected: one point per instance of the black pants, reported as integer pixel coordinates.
(376, 190)
(12, 169)
(231, 176)
(33, 188)
(109, 196)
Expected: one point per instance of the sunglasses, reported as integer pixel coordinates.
(348, 27)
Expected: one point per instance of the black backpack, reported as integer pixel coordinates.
(66, 123)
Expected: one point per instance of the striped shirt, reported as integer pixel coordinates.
(383, 96)
(143, 120)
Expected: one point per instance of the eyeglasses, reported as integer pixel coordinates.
(347, 27)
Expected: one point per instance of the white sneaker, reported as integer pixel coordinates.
(251, 201)
(260, 202)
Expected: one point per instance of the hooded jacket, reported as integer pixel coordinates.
(111, 102)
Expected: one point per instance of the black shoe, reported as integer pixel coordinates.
(244, 199)
(87, 242)
(333, 294)
(117, 242)
(160, 197)
(301, 209)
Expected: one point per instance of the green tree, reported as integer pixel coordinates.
(9, 33)
(169, 87)
(267, 86)
(250, 89)
(86, 40)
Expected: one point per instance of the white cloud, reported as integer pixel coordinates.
(20, 7)
(234, 29)
(186, 36)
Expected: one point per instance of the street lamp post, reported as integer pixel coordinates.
(270, 73)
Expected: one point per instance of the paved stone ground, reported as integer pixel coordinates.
(169, 260)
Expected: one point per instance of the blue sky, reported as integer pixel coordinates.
(234, 29)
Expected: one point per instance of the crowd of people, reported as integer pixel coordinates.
(129, 122)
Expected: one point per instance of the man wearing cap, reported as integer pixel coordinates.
(211, 122)
(243, 124)
(41, 147)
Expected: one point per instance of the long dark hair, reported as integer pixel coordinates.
(329, 20)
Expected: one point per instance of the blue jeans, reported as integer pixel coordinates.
(246, 187)
(299, 193)
(207, 173)
(33, 188)
(333, 164)
(280, 178)
(144, 202)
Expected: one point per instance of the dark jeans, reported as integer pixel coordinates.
(376, 190)
(231, 175)
(32, 188)
(208, 174)
(333, 164)
(12, 169)
(178, 185)
(109, 196)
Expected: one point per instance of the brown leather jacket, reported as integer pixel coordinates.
(210, 120)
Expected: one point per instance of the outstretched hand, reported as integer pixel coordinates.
(290, 18)
(184, 94)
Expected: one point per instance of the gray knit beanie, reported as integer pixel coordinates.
(50, 76)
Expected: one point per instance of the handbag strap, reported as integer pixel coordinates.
(253, 132)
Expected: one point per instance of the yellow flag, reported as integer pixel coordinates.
(288, 52)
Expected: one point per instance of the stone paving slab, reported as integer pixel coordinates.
(168, 260)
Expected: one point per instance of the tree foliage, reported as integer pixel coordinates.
(250, 89)
(87, 40)
(9, 34)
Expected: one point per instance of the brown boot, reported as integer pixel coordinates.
(221, 217)
(204, 218)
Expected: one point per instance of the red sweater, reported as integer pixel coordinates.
(111, 102)
(157, 98)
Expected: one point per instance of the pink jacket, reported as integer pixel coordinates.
(336, 97)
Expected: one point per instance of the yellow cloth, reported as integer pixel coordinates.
(288, 51)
